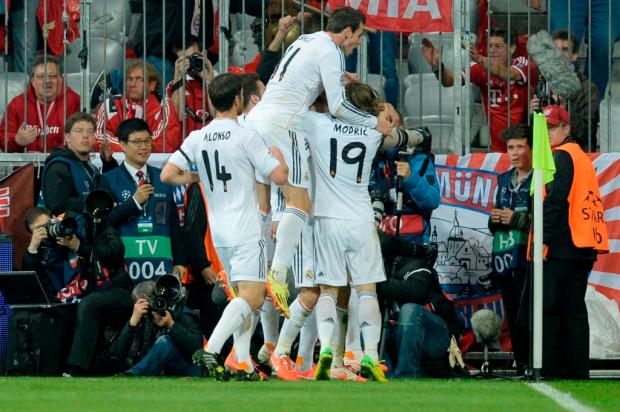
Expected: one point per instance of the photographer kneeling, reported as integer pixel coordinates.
(425, 319)
(166, 331)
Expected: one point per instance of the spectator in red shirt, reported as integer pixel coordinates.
(195, 107)
(160, 115)
(41, 127)
(504, 93)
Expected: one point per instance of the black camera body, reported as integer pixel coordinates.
(196, 63)
(169, 294)
(61, 228)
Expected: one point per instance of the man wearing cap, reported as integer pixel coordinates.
(574, 233)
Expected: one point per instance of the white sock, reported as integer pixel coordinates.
(270, 320)
(287, 237)
(353, 348)
(307, 341)
(338, 338)
(242, 339)
(326, 319)
(291, 327)
(235, 314)
(370, 323)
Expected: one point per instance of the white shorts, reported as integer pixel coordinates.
(247, 262)
(293, 145)
(347, 247)
(303, 259)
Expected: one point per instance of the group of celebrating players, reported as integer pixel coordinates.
(311, 138)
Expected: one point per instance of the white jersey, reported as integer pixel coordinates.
(312, 64)
(226, 156)
(342, 155)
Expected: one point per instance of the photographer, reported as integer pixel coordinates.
(189, 96)
(175, 329)
(425, 319)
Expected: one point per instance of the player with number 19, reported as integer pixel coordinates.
(227, 155)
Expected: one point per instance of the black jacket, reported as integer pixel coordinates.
(194, 230)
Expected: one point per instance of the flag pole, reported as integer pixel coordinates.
(538, 272)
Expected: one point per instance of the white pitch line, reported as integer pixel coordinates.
(565, 400)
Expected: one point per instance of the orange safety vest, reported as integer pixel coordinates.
(216, 264)
(586, 216)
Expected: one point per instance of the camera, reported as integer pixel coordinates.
(196, 63)
(61, 228)
(168, 294)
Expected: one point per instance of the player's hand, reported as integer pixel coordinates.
(285, 24)
(506, 215)
(165, 321)
(277, 153)
(193, 177)
(38, 235)
(393, 114)
(496, 215)
(403, 169)
(140, 308)
(350, 78)
(181, 65)
(274, 229)
(209, 276)
(143, 193)
(430, 53)
(26, 135)
(71, 242)
(385, 123)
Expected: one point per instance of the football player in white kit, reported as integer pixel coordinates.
(226, 156)
(312, 64)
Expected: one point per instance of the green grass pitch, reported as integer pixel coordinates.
(169, 394)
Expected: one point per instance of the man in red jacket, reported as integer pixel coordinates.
(40, 127)
(160, 115)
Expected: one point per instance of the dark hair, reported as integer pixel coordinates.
(79, 117)
(41, 60)
(249, 87)
(190, 40)
(345, 17)
(509, 37)
(33, 214)
(222, 91)
(518, 131)
(129, 126)
(564, 34)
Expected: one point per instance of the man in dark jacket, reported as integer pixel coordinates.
(426, 319)
(176, 337)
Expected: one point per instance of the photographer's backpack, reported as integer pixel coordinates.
(34, 343)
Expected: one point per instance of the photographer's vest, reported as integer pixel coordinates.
(510, 246)
(146, 236)
(586, 215)
(216, 264)
(83, 182)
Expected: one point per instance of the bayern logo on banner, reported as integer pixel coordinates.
(403, 15)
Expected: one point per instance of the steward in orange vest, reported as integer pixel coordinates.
(575, 233)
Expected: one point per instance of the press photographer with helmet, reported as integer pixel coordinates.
(165, 331)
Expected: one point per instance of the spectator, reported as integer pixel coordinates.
(574, 232)
(145, 214)
(68, 175)
(45, 115)
(584, 116)
(509, 223)
(188, 96)
(176, 332)
(508, 83)
(25, 36)
(160, 115)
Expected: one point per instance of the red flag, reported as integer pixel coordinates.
(407, 16)
(16, 198)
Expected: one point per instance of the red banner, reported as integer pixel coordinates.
(16, 198)
(407, 16)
